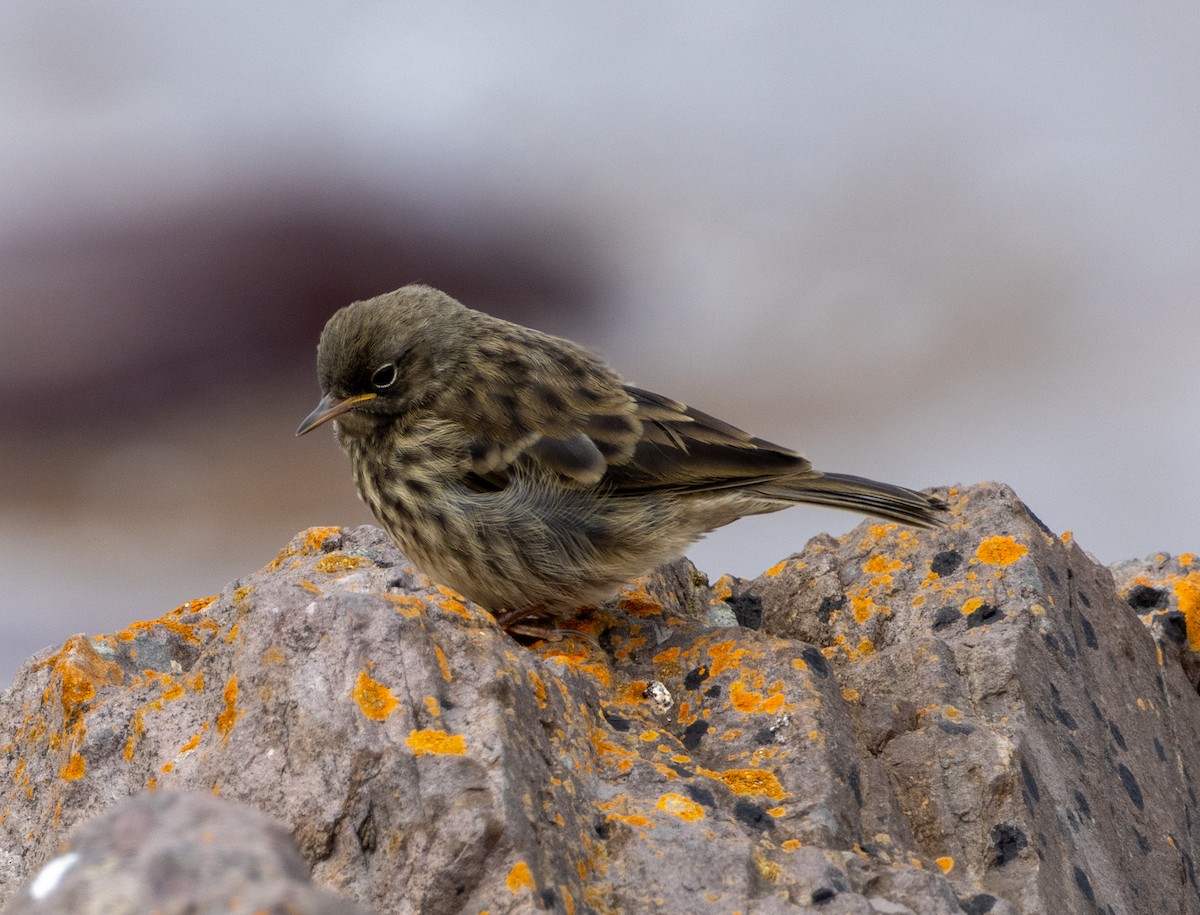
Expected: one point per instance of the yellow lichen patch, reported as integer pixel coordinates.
(339, 562)
(79, 670)
(881, 565)
(407, 604)
(191, 744)
(436, 742)
(374, 699)
(169, 622)
(670, 656)
(229, 715)
(681, 807)
(864, 606)
(751, 702)
(970, 606)
(849, 694)
(308, 585)
(520, 878)
(1187, 592)
(1000, 551)
(539, 687)
(433, 706)
(315, 537)
(633, 819)
(273, 656)
(946, 863)
(443, 663)
(1187, 559)
(799, 664)
(722, 589)
(240, 594)
(776, 570)
(648, 736)
(636, 601)
(579, 659)
(74, 769)
(724, 654)
(790, 844)
(173, 691)
(754, 781)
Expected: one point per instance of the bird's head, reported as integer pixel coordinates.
(380, 358)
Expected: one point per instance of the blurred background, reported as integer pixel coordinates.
(929, 243)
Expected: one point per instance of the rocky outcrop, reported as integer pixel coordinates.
(968, 720)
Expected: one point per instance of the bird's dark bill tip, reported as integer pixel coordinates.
(329, 408)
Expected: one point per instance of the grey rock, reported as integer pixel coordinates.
(175, 854)
(968, 720)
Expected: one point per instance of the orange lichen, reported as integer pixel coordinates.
(681, 807)
(74, 769)
(946, 863)
(438, 743)
(229, 715)
(751, 702)
(1000, 551)
(776, 570)
(339, 562)
(850, 694)
(374, 699)
(443, 663)
(520, 878)
(754, 781)
(1187, 592)
(407, 604)
(971, 605)
(724, 654)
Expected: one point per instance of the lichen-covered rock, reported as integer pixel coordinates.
(177, 854)
(968, 720)
(1165, 592)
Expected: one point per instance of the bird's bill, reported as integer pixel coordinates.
(330, 408)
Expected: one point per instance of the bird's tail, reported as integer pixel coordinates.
(840, 490)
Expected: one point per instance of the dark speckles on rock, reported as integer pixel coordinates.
(549, 899)
(1083, 598)
(946, 616)
(945, 562)
(1142, 841)
(1007, 840)
(753, 815)
(1174, 626)
(617, 723)
(1158, 749)
(1132, 788)
(815, 661)
(1142, 598)
(1052, 575)
(1081, 803)
(714, 691)
(979, 904)
(1085, 885)
(855, 784)
(694, 733)
(1117, 735)
(747, 609)
(955, 727)
(822, 894)
(701, 796)
(1031, 784)
(984, 613)
(695, 677)
(1089, 633)
(829, 606)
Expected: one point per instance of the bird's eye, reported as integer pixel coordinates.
(384, 376)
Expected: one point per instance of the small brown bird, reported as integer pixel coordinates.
(520, 470)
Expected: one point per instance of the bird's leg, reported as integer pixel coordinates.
(522, 623)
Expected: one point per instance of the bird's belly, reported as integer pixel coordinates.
(528, 546)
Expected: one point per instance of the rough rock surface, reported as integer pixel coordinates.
(176, 853)
(968, 720)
